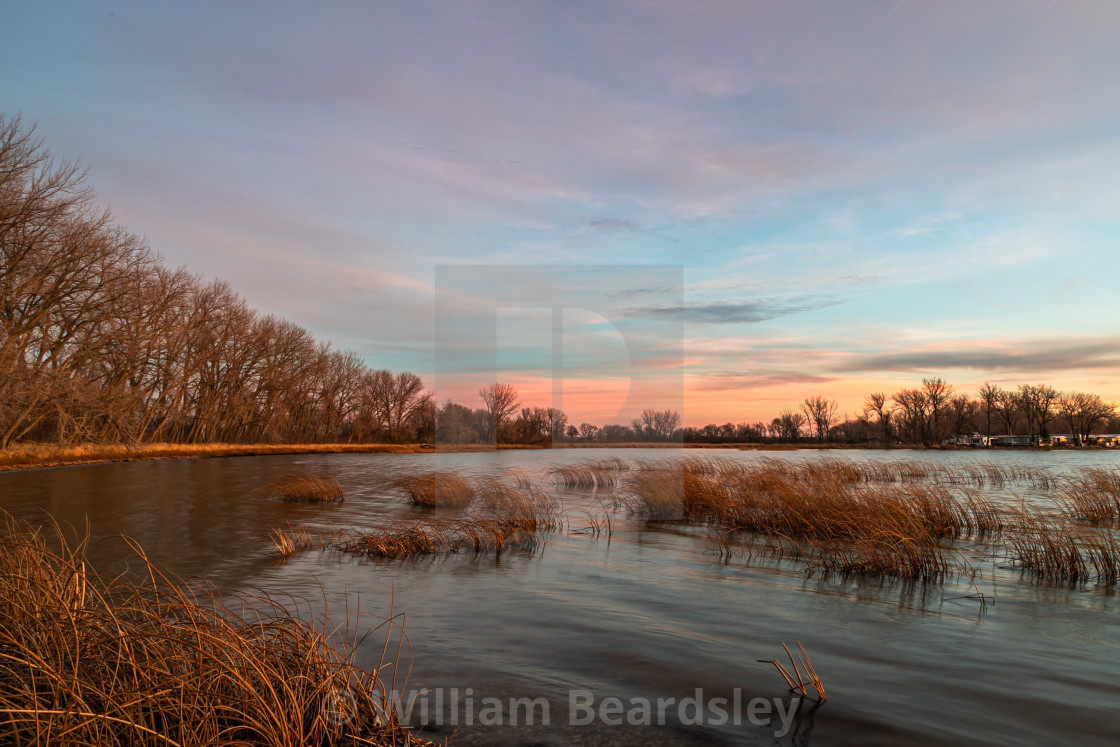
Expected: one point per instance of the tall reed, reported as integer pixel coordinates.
(93, 660)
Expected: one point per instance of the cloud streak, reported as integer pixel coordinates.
(742, 312)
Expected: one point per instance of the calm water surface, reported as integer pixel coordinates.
(652, 612)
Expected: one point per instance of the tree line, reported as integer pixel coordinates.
(100, 341)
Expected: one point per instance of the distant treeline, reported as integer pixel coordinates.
(101, 342)
(930, 414)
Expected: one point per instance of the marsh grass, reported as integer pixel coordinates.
(1053, 550)
(506, 515)
(585, 475)
(309, 489)
(437, 490)
(93, 660)
(1092, 495)
(287, 542)
(824, 512)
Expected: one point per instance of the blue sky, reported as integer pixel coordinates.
(860, 194)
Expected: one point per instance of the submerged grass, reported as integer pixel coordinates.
(506, 515)
(437, 490)
(92, 660)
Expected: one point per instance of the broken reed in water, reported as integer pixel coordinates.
(508, 516)
(310, 489)
(92, 660)
(803, 676)
(437, 489)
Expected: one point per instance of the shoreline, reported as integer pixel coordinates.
(41, 456)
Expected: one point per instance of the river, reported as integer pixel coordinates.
(650, 612)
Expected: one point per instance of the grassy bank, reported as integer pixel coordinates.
(86, 660)
(23, 456)
(27, 456)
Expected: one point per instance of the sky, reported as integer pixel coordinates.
(853, 195)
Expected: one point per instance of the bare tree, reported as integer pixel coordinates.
(656, 425)
(962, 411)
(501, 402)
(1083, 412)
(914, 414)
(819, 415)
(788, 425)
(989, 398)
(1037, 404)
(877, 403)
(937, 395)
(1007, 408)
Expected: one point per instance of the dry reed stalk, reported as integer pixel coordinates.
(585, 475)
(92, 660)
(437, 490)
(1092, 495)
(804, 675)
(287, 542)
(309, 489)
(1054, 551)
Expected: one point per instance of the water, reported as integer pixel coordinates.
(650, 612)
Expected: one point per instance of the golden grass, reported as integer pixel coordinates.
(92, 660)
(507, 515)
(287, 542)
(22, 456)
(1092, 495)
(822, 512)
(437, 490)
(309, 489)
(1053, 551)
(803, 676)
(586, 475)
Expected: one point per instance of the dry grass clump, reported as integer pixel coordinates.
(589, 474)
(980, 474)
(820, 511)
(310, 489)
(287, 542)
(91, 660)
(611, 463)
(585, 475)
(522, 505)
(508, 515)
(1092, 495)
(437, 490)
(404, 539)
(1053, 551)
